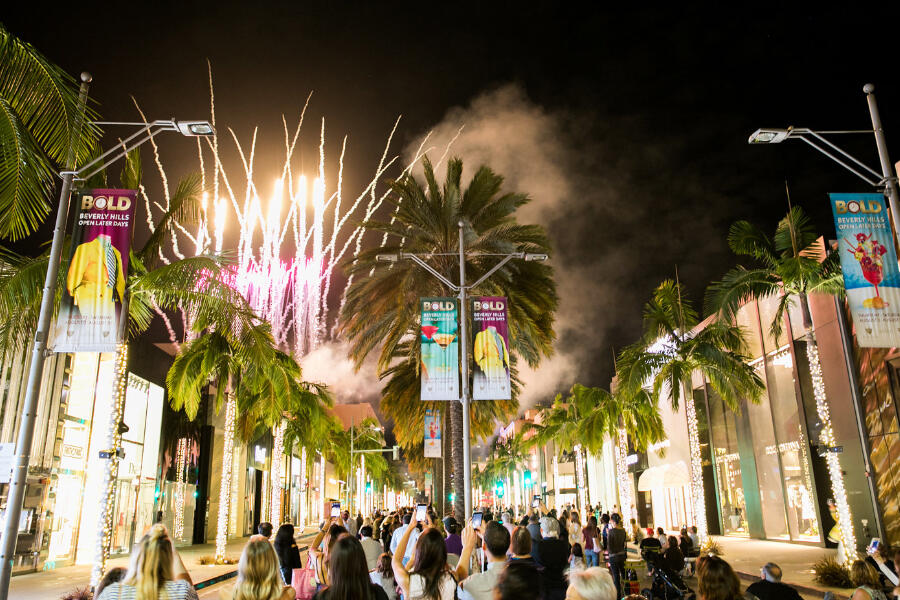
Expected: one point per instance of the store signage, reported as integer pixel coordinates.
(91, 303)
(439, 349)
(7, 461)
(490, 349)
(259, 454)
(69, 451)
(432, 434)
(869, 267)
(631, 459)
(659, 446)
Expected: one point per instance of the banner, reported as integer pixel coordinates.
(869, 264)
(440, 350)
(91, 303)
(432, 434)
(490, 349)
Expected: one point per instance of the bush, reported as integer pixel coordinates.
(78, 594)
(711, 547)
(831, 573)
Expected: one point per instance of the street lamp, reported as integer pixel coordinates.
(816, 139)
(39, 351)
(461, 290)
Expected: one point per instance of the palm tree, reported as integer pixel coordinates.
(563, 424)
(381, 311)
(623, 415)
(43, 126)
(789, 266)
(676, 344)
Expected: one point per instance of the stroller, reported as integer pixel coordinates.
(666, 584)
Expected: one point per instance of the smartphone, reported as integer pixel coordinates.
(873, 546)
(421, 511)
(335, 509)
(476, 519)
(536, 503)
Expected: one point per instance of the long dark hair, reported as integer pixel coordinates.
(284, 538)
(348, 572)
(431, 562)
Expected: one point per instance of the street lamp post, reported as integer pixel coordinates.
(462, 290)
(816, 139)
(39, 350)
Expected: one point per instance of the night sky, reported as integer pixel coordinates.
(636, 120)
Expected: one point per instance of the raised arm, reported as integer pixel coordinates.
(400, 572)
(469, 539)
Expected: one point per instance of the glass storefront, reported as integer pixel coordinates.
(763, 466)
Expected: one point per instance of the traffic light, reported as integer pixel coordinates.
(452, 497)
(368, 487)
(527, 478)
(498, 489)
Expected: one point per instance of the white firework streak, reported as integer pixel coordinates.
(286, 279)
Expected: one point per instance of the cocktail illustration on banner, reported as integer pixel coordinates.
(437, 343)
(869, 252)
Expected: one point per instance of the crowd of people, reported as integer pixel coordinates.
(411, 554)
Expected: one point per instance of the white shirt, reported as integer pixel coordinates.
(387, 584)
(480, 586)
(373, 550)
(446, 589)
(395, 540)
(174, 590)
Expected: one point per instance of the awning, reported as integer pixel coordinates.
(663, 476)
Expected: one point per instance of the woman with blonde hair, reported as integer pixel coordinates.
(865, 578)
(258, 577)
(156, 572)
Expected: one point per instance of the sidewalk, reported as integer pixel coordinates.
(747, 556)
(50, 585)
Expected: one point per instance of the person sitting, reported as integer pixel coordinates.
(552, 554)
(637, 534)
(717, 580)
(480, 586)
(695, 538)
(383, 575)
(348, 573)
(519, 580)
(591, 584)
(686, 545)
(673, 559)
(371, 547)
(662, 537)
(156, 571)
(865, 578)
(769, 587)
(650, 546)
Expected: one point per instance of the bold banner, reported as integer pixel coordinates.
(869, 264)
(91, 303)
(432, 434)
(440, 351)
(490, 349)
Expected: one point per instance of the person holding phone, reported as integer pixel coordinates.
(430, 576)
(398, 535)
(480, 586)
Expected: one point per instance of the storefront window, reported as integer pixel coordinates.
(728, 467)
(792, 447)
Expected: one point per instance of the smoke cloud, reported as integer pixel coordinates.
(329, 364)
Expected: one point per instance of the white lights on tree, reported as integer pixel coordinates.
(304, 488)
(579, 476)
(180, 466)
(321, 502)
(225, 484)
(277, 473)
(555, 480)
(826, 437)
(698, 500)
(112, 441)
(625, 500)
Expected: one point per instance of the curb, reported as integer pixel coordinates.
(224, 576)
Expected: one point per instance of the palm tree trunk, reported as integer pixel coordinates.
(225, 481)
(625, 500)
(697, 492)
(459, 504)
(826, 436)
(447, 464)
(438, 498)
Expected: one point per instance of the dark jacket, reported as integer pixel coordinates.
(553, 555)
(288, 557)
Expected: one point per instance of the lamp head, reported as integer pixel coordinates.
(769, 136)
(535, 257)
(195, 128)
(391, 258)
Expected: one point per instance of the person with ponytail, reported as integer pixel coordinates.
(258, 576)
(156, 572)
